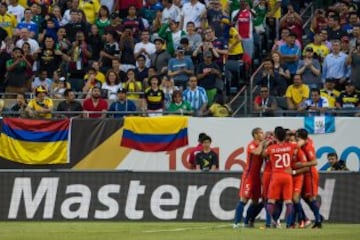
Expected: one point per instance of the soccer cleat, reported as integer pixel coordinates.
(236, 225)
(317, 225)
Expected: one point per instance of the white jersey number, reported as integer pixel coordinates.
(282, 160)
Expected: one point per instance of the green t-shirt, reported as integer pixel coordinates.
(184, 106)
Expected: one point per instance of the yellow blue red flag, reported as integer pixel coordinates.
(155, 134)
(32, 141)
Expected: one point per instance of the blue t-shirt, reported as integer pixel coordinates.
(177, 64)
(290, 50)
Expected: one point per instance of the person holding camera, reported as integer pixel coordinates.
(41, 106)
(335, 163)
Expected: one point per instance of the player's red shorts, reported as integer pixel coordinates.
(281, 187)
(311, 184)
(266, 177)
(250, 187)
(298, 181)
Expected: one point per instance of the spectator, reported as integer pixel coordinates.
(271, 79)
(290, 54)
(141, 71)
(91, 81)
(95, 41)
(196, 96)
(172, 35)
(219, 108)
(335, 32)
(110, 51)
(116, 67)
(180, 68)
(214, 14)
(325, 38)
(296, 93)
(344, 45)
(111, 85)
(310, 69)
(144, 47)
(41, 106)
(30, 58)
(334, 66)
(126, 46)
(56, 12)
(353, 61)
(315, 104)
(243, 18)
(178, 105)
(284, 73)
(193, 37)
(208, 72)
(335, 163)
(115, 24)
(192, 11)
(74, 4)
(58, 86)
(95, 104)
(319, 48)
(284, 35)
(168, 87)
(355, 36)
(63, 44)
(42, 80)
(102, 20)
(32, 27)
(20, 106)
(160, 58)
(90, 8)
(233, 39)
(123, 6)
(329, 92)
(265, 104)
(292, 21)
(122, 104)
(154, 98)
(170, 13)
(132, 85)
(70, 104)
(75, 25)
(318, 22)
(133, 22)
(349, 99)
(16, 67)
(206, 159)
(7, 21)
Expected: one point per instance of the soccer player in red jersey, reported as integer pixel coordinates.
(281, 156)
(250, 187)
(311, 179)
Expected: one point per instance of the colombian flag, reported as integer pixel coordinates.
(30, 141)
(155, 134)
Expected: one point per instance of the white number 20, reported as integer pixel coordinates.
(282, 160)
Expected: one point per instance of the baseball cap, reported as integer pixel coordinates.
(62, 79)
(309, 49)
(158, 39)
(40, 89)
(180, 49)
(122, 90)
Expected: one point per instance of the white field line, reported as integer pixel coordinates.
(188, 228)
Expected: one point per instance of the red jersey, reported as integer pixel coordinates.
(309, 151)
(253, 162)
(245, 24)
(281, 156)
(125, 4)
(300, 157)
(88, 105)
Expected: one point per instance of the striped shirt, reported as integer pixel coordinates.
(196, 97)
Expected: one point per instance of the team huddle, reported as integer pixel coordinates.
(289, 174)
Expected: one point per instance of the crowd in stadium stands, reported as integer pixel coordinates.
(183, 56)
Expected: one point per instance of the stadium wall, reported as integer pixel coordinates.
(150, 196)
(95, 144)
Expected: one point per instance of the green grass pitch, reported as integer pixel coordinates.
(166, 230)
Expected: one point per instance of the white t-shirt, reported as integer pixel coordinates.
(112, 90)
(34, 45)
(150, 49)
(172, 13)
(192, 13)
(17, 11)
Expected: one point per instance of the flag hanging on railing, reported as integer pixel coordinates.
(319, 124)
(155, 134)
(33, 141)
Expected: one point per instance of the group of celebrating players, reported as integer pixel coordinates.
(289, 174)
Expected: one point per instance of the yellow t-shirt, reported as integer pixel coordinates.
(321, 50)
(90, 8)
(35, 105)
(99, 76)
(238, 49)
(8, 22)
(331, 97)
(23, 3)
(131, 88)
(297, 95)
(272, 4)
